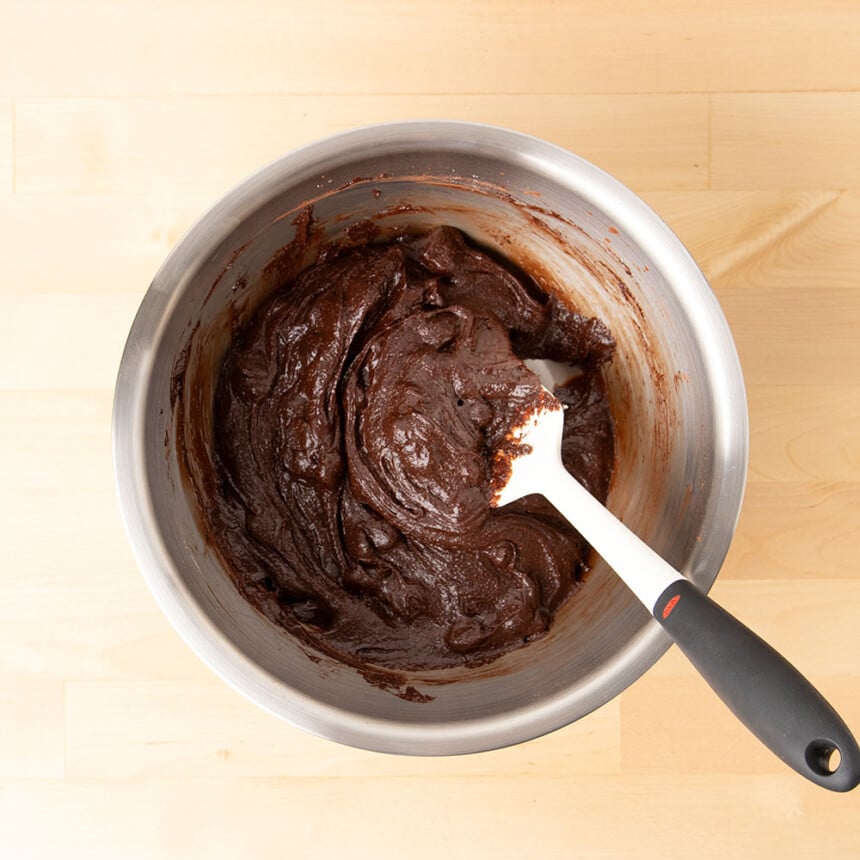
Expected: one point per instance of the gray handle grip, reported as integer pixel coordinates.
(773, 700)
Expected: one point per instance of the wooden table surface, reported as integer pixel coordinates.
(120, 122)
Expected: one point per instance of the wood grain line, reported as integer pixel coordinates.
(780, 231)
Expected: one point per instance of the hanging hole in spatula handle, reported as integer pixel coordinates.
(773, 700)
(824, 757)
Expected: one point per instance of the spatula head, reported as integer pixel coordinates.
(529, 453)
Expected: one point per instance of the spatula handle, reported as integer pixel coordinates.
(770, 697)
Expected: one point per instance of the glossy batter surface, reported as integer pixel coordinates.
(355, 420)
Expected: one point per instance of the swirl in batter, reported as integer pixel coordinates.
(355, 419)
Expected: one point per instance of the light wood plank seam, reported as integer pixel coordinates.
(430, 93)
(441, 94)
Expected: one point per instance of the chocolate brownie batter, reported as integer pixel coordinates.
(355, 420)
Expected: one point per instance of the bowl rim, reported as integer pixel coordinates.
(211, 645)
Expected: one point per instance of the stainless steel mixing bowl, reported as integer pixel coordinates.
(675, 387)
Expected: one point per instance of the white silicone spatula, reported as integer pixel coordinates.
(763, 690)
